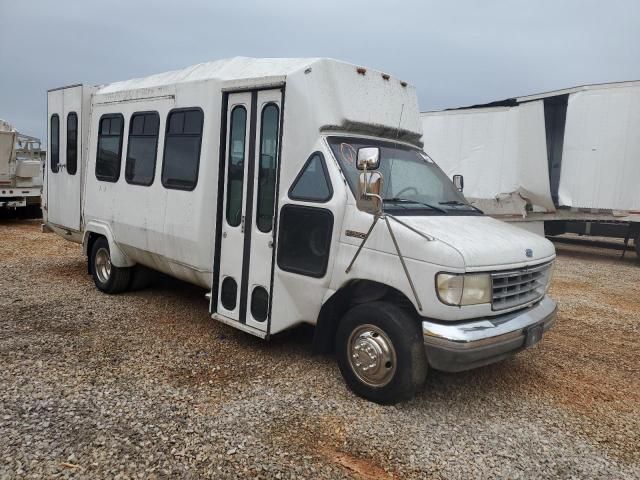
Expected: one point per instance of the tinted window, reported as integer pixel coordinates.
(259, 304)
(140, 166)
(313, 182)
(72, 143)
(182, 149)
(109, 148)
(304, 240)
(267, 167)
(54, 135)
(235, 165)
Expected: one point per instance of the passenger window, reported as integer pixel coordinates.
(142, 148)
(312, 183)
(109, 147)
(55, 142)
(267, 167)
(304, 240)
(235, 165)
(72, 143)
(182, 149)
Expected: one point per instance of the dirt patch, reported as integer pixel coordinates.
(361, 469)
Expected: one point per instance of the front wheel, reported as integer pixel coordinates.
(381, 353)
(107, 277)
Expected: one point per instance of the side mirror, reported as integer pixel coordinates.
(458, 181)
(368, 158)
(368, 197)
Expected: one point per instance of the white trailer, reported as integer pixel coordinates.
(244, 176)
(21, 160)
(556, 162)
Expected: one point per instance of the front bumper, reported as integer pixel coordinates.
(462, 346)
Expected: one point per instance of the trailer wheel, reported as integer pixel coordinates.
(107, 277)
(381, 352)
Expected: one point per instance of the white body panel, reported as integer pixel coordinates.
(502, 151)
(601, 159)
(64, 188)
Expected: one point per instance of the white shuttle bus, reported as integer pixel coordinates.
(296, 191)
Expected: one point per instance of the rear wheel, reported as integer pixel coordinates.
(381, 352)
(107, 277)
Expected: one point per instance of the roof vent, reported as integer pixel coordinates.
(361, 70)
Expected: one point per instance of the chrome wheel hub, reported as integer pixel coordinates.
(103, 265)
(371, 355)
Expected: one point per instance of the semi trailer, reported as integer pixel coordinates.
(566, 161)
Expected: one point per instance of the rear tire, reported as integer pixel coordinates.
(141, 278)
(381, 352)
(107, 277)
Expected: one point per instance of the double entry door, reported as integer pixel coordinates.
(248, 198)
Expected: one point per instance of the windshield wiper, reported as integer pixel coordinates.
(456, 202)
(406, 200)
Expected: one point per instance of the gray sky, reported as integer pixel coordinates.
(455, 53)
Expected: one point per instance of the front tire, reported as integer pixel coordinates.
(107, 277)
(381, 353)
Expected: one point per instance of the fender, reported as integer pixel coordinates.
(118, 257)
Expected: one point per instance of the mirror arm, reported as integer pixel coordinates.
(404, 265)
(364, 240)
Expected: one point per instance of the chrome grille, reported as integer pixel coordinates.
(514, 288)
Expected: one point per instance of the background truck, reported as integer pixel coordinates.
(566, 161)
(21, 160)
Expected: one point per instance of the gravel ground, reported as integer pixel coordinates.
(145, 385)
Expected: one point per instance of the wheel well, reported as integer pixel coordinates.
(91, 239)
(352, 293)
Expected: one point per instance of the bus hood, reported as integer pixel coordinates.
(484, 242)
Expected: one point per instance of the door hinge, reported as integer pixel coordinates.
(242, 225)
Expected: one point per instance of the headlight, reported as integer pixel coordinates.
(464, 289)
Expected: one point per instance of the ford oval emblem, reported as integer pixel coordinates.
(528, 252)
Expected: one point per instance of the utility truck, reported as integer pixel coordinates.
(21, 160)
(296, 191)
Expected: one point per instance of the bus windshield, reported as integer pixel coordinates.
(413, 183)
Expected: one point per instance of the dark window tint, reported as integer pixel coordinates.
(109, 148)
(72, 143)
(140, 166)
(313, 182)
(54, 136)
(235, 165)
(304, 240)
(229, 293)
(259, 304)
(267, 167)
(182, 149)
